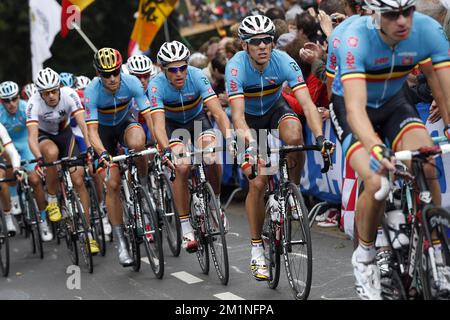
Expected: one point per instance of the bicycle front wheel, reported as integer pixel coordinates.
(438, 221)
(4, 246)
(296, 240)
(197, 220)
(34, 216)
(151, 234)
(216, 234)
(82, 232)
(96, 217)
(272, 249)
(170, 217)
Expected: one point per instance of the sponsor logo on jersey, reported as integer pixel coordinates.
(350, 61)
(407, 60)
(333, 60)
(154, 102)
(295, 66)
(154, 89)
(234, 72)
(382, 60)
(233, 86)
(300, 79)
(210, 90)
(336, 43)
(353, 42)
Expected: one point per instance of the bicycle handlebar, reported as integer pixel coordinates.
(133, 154)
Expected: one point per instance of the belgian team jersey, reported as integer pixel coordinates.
(261, 90)
(16, 124)
(362, 54)
(105, 108)
(183, 105)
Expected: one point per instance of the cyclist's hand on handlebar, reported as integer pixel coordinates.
(90, 154)
(19, 173)
(381, 159)
(232, 148)
(326, 146)
(249, 164)
(105, 159)
(40, 170)
(166, 158)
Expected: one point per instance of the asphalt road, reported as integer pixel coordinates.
(54, 278)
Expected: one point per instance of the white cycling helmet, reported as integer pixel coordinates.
(255, 25)
(47, 79)
(82, 82)
(28, 90)
(389, 5)
(139, 64)
(8, 89)
(172, 52)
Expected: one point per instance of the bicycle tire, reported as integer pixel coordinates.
(216, 234)
(35, 228)
(300, 287)
(4, 246)
(130, 234)
(82, 232)
(96, 218)
(198, 222)
(170, 216)
(425, 271)
(272, 250)
(153, 242)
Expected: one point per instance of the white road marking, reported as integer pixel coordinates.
(233, 234)
(186, 277)
(236, 269)
(228, 296)
(145, 259)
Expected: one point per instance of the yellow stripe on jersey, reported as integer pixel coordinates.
(262, 93)
(352, 76)
(111, 110)
(441, 65)
(183, 108)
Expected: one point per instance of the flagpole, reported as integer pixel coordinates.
(84, 36)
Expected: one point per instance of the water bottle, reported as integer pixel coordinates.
(395, 219)
(272, 204)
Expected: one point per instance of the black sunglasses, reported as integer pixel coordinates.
(257, 41)
(142, 76)
(176, 69)
(394, 15)
(106, 75)
(9, 100)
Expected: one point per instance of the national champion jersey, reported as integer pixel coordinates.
(107, 109)
(53, 120)
(362, 54)
(16, 124)
(261, 89)
(183, 105)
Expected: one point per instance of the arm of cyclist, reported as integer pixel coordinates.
(33, 142)
(222, 120)
(436, 89)
(311, 113)
(79, 118)
(159, 126)
(444, 79)
(96, 143)
(10, 148)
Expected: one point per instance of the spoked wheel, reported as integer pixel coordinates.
(168, 212)
(438, 221)
(198, 224)
(34, 227)
(4, 246)
(82, 233)
(96, 218)
(66, 228)
(272, 250)
(216, 235)
(131, 235)
(296, 243)
(151, 235)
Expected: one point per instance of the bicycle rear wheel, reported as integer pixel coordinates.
(296, 243)
(82, 232)
(216, 234)
(4, 246)
(170, 217)
(151, 234)
(96, 218)
(272, 250)
(438, 221)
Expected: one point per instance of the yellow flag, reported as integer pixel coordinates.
(151, 16)
(81, 3)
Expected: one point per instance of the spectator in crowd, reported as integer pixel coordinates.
(275, 13)
(308, 27)
(232, 47)
(331, 7)
(293, 9)
(317, 89)
(281, 28)
(198, 60)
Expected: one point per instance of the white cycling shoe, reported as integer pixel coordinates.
(106, 226)
(258, 266)
(367, 276)
(10, 227)
(46, 233)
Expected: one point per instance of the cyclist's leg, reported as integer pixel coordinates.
(290, 132)
(5, 199)
(134, 139)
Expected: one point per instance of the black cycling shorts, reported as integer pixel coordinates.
(391, 121)
(112, 135)
(186, 131)
(65, 141)
(271, 120)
